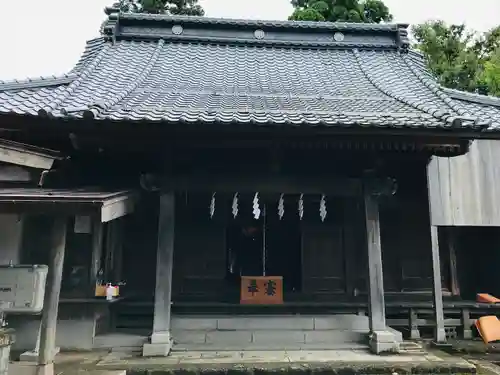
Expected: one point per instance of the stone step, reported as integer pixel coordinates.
(345, 322)
(17, 368)
(119, 340)
(220, 347)
(275, 339)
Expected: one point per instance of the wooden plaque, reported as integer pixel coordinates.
(261, 290)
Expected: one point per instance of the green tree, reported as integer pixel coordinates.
(176, 7)
(370, 11)
(490, 74)
(461, 59)
(451, 53)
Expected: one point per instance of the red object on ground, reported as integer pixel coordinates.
(486, 298)
(488, 328)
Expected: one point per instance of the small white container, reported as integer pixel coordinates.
(110, 292)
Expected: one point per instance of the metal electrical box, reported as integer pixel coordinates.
(22, 288)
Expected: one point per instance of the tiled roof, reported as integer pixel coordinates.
(487, 107)
(203, 70)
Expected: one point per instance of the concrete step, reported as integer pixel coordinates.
(220, 347)
(119, 340)
(16, 368)
(345, 322)
(270, 339)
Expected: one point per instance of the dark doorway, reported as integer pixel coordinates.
(269, 246)
(245, 248)
(283, 247)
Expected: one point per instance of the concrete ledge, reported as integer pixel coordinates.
(398, 336)
(17, 368)
(344, 322)
(32, 356)
(300, 368)
(156, 350)
(160, 345)
(383, 342)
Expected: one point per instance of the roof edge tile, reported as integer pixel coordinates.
(332, 26)
(49, 107)
(448, 118)
(95, 108)
(302, 33)
(432, 85)
(472, 97)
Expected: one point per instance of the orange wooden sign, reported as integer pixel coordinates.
(261, 290)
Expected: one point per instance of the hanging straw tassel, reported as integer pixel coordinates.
(256, 207)
(301, 206)
(281, 206)
(212, 206)
(322, 208)
(234, 206)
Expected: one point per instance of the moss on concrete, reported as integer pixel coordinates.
(310, 369)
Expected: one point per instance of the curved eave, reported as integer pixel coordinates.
(18, 121)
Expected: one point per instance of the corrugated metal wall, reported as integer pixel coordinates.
(465, 190)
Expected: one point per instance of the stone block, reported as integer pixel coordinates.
(156, 350)
(193, 323)
(342, 322)
(32, 356)
(229, 337)
(119, 340)
(189, 337)
(334, 337)
(77, 334)
(265, 323)
(280, 338)
(397, 334)
(383, 342)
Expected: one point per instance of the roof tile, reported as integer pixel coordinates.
(136, 79)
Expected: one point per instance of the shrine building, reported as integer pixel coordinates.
(246, 184)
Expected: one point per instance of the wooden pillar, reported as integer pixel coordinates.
(161, 342)
(118, 250)
(381, 339)
(51, 299)
(437, 289)
(452, 246)
(97, 241)
(375, 272)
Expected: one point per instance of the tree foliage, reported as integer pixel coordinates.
(490, 76)
(371, 11)
(174, 7)
(461, 59)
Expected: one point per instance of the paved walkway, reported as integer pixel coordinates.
(360, 361)
(253, 362)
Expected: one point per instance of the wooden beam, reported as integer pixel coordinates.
(97, 244)
(118, 229)
(18, 156)
(452, 247)
(115, 208)
(333, 186)
(161, 341)
(52, 290)
(106, 205)
(375, 274)
(437, 290)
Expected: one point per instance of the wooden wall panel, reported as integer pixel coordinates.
(464, 190)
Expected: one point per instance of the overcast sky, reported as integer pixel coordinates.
(47, 37)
